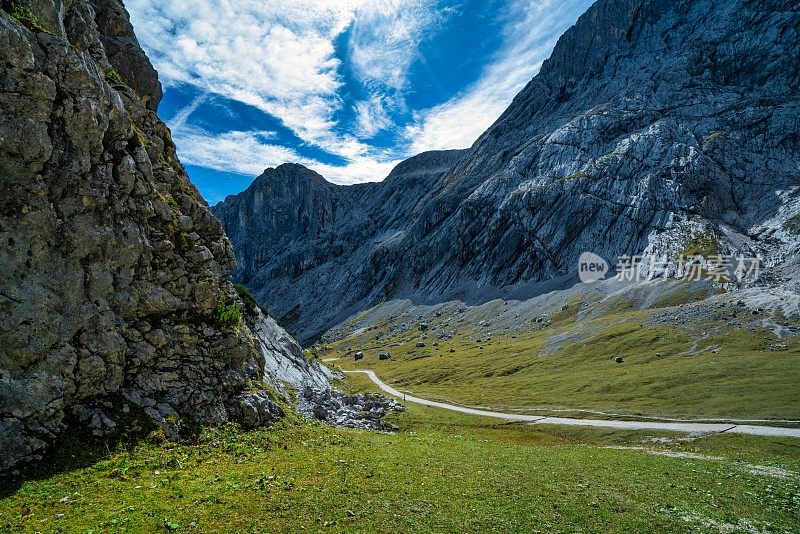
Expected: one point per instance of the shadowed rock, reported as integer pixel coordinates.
(113, 271)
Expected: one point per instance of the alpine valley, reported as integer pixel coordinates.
(662, 131)
(589, 320)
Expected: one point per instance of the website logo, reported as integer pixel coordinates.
(591, 267)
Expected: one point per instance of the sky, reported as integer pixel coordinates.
(348, 88)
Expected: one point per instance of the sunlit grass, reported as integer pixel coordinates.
(443, 472)
(707, 370)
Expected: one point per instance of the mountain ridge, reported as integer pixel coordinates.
(622, 144)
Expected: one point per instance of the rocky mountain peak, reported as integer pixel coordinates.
(288, 172)
(651, 126)
(426, 163)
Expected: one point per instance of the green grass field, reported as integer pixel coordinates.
(706, 370)
(442, 472)
(449, 472)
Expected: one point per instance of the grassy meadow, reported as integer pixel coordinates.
(707, 369)
(449, 472)
(441, 472)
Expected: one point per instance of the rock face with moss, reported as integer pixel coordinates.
(113, 271)
(655, 128)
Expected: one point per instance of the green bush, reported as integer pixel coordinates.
(793, 224)
(575, 176)
(140, 136)
(705, 245)
(24, 16)
(227, 315)
(113, 77)
(310, 355)
(250, 303)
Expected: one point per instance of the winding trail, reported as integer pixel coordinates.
(677, 426)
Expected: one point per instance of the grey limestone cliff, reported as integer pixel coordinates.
(113, 271)
(654, 126)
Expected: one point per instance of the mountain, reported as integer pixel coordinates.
(655, 128)
(306, 245)
(114, 274)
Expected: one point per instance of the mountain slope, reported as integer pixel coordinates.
(652, 126)
(291, 225)
(114, 274)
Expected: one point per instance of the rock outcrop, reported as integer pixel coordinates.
(365, 410)
(114, 274)
(655, 128)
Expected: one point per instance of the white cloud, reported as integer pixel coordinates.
(371, 117)
(276, 56)
(279, 56)
(383, 44)
(179, 120)
(531, 33)
(385, 37)
(249, 153)
(237, 152)
(358, 170)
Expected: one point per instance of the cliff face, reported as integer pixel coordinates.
(338, 243)
(652, 126)
(113, 271)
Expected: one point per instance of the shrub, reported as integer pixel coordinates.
(575, 176)
(709, 141)
(705, 245)
(250, 303)
(24, 16)
(113, 77)
(227, 315)
(310, 355)
(793, 224)
(138, 134)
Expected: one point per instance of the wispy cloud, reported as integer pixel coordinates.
(239, 152)
(383, 44)
(371, 117)
(179, 120)
(249, 153)
(385, 36)
(530, 35)
(281, 58)
(276, 56)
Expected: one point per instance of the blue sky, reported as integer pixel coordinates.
(348, 88)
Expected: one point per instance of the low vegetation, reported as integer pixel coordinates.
(703, 245)
(711, 139)
(793, 224)
(708, 368)
(24, 15)
(251, 306)
(227, 315)
(138, 134)
(442, 472)
(575, 176)
(113, 77)
(682, 294)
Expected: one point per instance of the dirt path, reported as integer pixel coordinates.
(674, 426)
